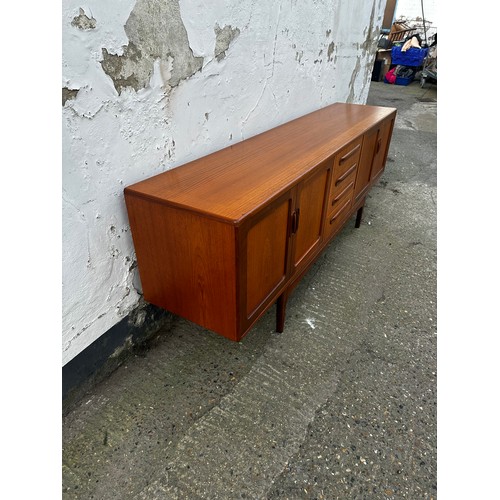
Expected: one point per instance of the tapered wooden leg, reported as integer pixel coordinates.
(359, 215)
(280, 312)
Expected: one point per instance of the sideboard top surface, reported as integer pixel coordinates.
(235, 181)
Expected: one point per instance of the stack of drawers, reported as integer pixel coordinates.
(342, 185)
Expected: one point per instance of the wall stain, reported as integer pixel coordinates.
(223, 38)
(155, 31)
(83, 22)
(331, 48)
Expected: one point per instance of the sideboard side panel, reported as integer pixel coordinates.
(187, 263)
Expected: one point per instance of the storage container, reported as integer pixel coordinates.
(412, 57)
(403, 81)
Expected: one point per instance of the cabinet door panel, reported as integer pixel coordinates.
(266, 254)
(365, 163)
(309, 209)
(381, 148)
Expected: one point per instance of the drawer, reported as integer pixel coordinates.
(341, 187)
(340, 212)
(344, 175)
(346, 159)
(340, 196)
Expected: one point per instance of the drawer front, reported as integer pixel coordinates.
(340, 212)
(342, 188)
(346, 159)
(344, 176)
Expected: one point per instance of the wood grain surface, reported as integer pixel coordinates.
(236, 181)
(220, 239)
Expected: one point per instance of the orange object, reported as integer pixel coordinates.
(222, 238)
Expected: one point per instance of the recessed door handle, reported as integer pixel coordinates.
(295, 221)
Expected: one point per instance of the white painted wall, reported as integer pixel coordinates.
(276, 69)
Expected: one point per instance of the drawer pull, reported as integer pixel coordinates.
(346, 204)
(348, 155)
(337, 198)
(346, 174)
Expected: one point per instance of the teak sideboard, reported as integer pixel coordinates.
(220, 239)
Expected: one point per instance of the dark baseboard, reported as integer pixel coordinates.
(98, 360)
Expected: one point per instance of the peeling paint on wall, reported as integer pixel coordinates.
(83, 22)
(223, 38)
(369, 48)
(68, 94)
(352, 82)
(156, 32)
(127, 70)
(371, 35)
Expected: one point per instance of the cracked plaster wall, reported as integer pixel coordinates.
(151, 84)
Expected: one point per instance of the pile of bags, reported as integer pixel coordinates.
(400, 71)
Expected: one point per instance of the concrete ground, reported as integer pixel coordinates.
(342, 405)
